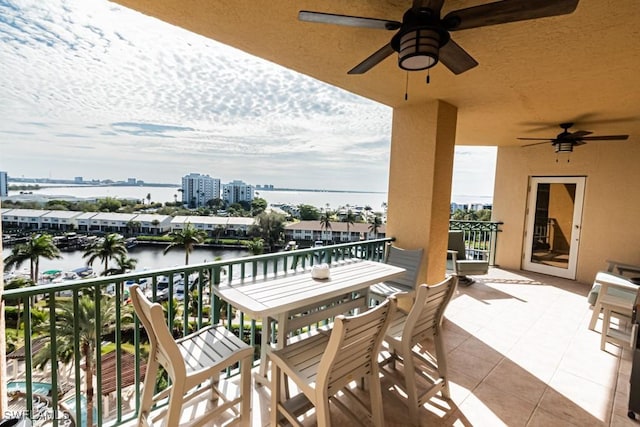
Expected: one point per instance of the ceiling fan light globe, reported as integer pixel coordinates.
(418, 49)
(564, 147)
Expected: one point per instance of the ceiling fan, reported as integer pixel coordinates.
(565, 140)
(422, 38)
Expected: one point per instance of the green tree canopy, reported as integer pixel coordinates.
(349, 218)
(255, 246)
(308, 212)
(216, 204)
(124, 265)
(38, 246)
(70, 322)
(63, 205)
(109, 204)
(325, 220)
(107, 248)
(258, 205)
(186, 238)
(17, 283)
(374, 224)
(268, 226)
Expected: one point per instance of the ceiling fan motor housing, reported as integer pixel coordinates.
(419, 39)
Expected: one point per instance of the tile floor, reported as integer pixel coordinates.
(519, 354)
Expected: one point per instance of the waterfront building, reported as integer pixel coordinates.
(59, 220)
(236, 192)
(312, 230)
(4, 184)
(198, 189)
(104, 222)
(215, 226)
(26, 219)
(151, 224)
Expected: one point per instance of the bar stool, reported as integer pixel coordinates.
(622, 309)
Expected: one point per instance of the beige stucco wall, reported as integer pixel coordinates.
(610, 228)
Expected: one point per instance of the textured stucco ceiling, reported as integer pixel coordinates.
(533, 75)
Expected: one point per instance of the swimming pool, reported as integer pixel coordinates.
(71, 405)
(37, 388)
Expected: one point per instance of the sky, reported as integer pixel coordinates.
(92, 89)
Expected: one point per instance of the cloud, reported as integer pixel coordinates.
(158, 102)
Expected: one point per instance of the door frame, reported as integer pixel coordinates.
(576, 227)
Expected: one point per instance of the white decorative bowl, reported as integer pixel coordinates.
(320, 271)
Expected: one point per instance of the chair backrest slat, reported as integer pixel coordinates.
(353, 347)
(163, 345)
(425, 317)
(456, 243)
(410, 260)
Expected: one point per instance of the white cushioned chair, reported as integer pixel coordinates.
(457, 262)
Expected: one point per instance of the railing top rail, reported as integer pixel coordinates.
(187, 269)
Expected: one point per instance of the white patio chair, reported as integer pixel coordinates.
(425, 373)
(410, 260)
(193, 364)
(324, 364)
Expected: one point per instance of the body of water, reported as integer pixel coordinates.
(319, 199)
(149, 257)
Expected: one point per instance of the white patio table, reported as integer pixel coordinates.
(275, 297)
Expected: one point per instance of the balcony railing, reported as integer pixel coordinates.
(68, 327)
(480, 238)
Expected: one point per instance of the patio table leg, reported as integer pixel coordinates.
(261, 377)
(265, 346)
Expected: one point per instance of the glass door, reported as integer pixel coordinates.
(554, 214)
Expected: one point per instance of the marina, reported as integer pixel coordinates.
(148, 257)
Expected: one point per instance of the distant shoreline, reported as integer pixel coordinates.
(70, 184)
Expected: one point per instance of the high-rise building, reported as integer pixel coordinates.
(198, 189)
(237, 191)
(4, 184)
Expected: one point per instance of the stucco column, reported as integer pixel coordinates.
(420, 174)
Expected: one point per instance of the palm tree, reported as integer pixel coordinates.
(218, 231)
(374, 224)
(112, 246)
(125, 264)
(349, 218)
(186, 238)
(38, 246)
(325, 220)
(68, 323)
(17, 283)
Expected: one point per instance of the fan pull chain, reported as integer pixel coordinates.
(406, 88)
(428, 77)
